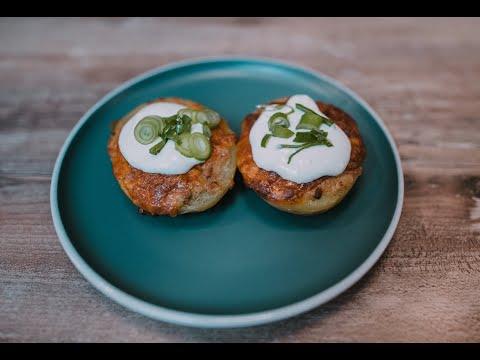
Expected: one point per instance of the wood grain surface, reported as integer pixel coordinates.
(421, 75)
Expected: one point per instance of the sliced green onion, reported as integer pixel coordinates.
(201, 117)
(206, 116)
(167, 122)
(310, 121)
(162, 122)
(290, 146)
(187, 112)
(206, 130)
(306, 110)
(303, 137)
(199, 146)
(213, 117)
(169, 119)
(303, 108)
(271, 107)
(147, 130)
(183, 144)
(155, 149)
(278, 118)
(304, 146)
(326, 142)
(194, 116)
(281, 132)
(183, 124)
(300, 149)
(170, 132)
(319, 133)
(265, 140)
(306, 140)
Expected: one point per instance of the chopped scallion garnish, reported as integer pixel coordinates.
(178, 129)
(155, 149)
(281, 132)
(265, 140)
(278, 119)
(310, 119)
(306, 140)
(148, 129)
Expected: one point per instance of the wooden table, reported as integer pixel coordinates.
(421, 75)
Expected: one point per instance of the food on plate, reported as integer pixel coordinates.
(301, 156)
(173, 156)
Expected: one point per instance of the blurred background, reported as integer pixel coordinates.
(421, 75)
(57, 68)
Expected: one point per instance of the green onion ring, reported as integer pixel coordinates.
(147, 129)
(199, 146)
(213, 118)
(278, 118)
(200, 117)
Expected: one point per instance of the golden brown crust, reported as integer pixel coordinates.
(309, 198)
(197, 190)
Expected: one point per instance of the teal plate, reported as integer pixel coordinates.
(242, 262)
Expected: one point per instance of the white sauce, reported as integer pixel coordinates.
(310, 163)
(168, 161)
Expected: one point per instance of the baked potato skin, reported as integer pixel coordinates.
(310, 198)
(197, 190)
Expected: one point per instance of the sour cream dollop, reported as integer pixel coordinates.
(310, 163)
(168, 161)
